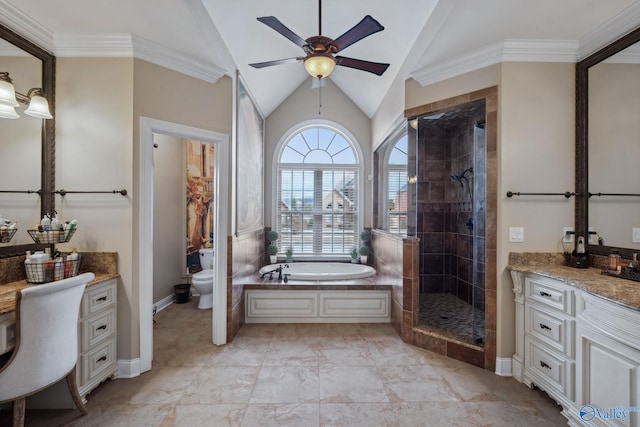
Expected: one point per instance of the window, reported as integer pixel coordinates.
(397, 188)
(392, 187)
(318, 182)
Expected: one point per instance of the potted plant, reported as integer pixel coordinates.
(272, 250)
(272, 236)
(364, 252)
(289, 254)
(354, 255)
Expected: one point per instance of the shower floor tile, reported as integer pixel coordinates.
(447, 314)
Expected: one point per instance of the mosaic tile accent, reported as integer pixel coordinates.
(452, 317)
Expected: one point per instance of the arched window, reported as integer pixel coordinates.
(318, 192)
(397, 200)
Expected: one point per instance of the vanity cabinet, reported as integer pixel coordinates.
(97, 358)
(581, 349)
(549, 336)
(609, 357)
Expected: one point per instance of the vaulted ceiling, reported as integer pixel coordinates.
(425, 39)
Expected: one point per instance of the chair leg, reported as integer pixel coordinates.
(18, 411)
(75, 394)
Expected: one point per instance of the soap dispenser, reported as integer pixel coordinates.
(579, 256)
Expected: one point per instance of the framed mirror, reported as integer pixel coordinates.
(608, 146)
(28, 143)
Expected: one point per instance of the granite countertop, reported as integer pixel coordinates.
(8, 290)
(618, 290)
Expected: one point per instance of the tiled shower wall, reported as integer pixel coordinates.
(245, 255)
(446, 221)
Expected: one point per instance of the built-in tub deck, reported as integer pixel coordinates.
(366, 300)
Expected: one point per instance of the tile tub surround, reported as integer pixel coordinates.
(301, 375)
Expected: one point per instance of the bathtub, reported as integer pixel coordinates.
(323, 270)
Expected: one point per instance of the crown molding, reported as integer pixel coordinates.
(510, 50)
(616, 27)
(19, 22)
(127, 45)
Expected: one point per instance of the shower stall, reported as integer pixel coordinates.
(450, 221)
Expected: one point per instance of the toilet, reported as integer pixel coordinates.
(203, 280)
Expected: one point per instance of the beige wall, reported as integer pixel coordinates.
(302, 105)
(168, 215)
(535, 154)
(99, 104)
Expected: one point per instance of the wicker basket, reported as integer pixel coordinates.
(51, 271)
(52, 236)
(7, 235)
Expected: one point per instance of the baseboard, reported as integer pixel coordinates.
(503, 366)
(129, 368)
(164, 303)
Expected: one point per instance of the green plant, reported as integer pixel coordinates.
(272, 235)
(272, 250)
(354, 253)
(289, 252)
(364, 250)
(365, 235)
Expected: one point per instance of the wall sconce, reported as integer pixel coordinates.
(38, 106)
(412, 179)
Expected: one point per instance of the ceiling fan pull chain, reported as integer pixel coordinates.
(319, 99)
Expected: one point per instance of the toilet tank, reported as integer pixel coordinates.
(206, 258)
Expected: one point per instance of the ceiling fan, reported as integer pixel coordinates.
(320, 50)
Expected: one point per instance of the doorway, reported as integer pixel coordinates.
(144, 219)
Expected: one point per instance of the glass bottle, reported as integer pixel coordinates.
(614, 261)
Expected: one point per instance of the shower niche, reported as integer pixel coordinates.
(450, 221)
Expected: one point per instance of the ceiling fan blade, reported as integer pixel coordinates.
(276, 62)
(362, 29)
(377, 68)
(273, 22)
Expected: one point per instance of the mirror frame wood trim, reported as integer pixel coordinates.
(47, 164)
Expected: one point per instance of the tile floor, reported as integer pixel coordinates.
(301, 375)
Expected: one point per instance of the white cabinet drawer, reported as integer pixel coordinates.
(7, 332)
(95, 329)
(97, 297)
(549, 370)
(554, 329)
(551, 293)
(94, 363)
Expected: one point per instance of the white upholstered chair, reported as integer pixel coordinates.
(46, 342)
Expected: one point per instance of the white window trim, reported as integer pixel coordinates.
(393, 138)
(282, 143)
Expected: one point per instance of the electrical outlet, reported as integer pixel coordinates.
(516, 234)
(593, 236)
(567, 234)
(635, 235)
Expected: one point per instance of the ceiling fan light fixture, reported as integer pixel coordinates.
(319, 65)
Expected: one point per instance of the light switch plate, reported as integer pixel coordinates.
(635, 235)
(516, 234)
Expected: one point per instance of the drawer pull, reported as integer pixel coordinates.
(545, 294)
(543, 326)
(103, 358)
(105, 327)
(101, 299)
(544, 365)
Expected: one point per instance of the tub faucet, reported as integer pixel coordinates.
(275, 270)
